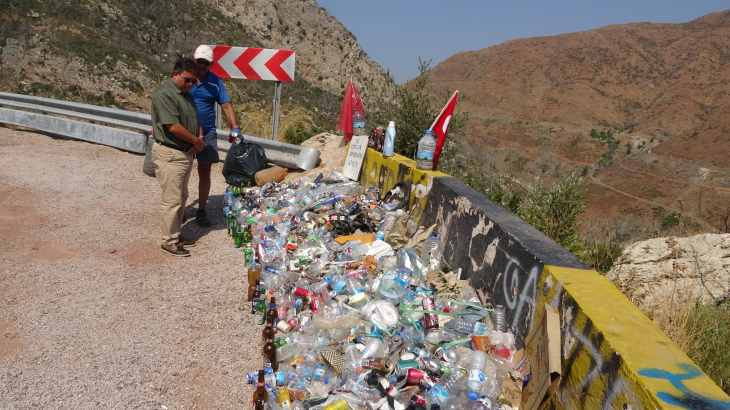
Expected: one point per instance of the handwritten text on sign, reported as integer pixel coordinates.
(355, 156)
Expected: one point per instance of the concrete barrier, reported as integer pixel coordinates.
(613, 356)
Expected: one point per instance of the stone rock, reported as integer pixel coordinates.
(658, 271)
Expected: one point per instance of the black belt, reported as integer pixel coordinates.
(170, 146)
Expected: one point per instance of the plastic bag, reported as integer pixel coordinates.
(149, 165)
(243, 161)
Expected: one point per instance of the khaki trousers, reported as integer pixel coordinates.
(172, 168)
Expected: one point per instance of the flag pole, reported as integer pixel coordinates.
(443, 109)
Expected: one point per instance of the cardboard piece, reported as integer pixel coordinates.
(364, 238)
(355, 157)
(542, 347)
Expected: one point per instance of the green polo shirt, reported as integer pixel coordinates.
(172, 106)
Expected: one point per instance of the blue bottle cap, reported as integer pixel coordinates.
(472, 396)
(428, 131)
(326, 380)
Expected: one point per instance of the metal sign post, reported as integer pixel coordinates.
(275, 120)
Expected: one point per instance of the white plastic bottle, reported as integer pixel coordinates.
(476, 374)
(358, 122)
(389, 143)
(426, 149)
(492, 385)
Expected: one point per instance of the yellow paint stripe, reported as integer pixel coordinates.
(641, 344)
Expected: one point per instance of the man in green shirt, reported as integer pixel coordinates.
(178, 137)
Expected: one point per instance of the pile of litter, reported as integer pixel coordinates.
(360, 310)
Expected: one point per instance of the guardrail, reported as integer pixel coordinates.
(47, 114)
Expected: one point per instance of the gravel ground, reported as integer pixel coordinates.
(92, 314)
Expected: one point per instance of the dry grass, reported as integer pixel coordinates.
(295, 122)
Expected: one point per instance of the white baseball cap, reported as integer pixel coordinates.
(204, 52)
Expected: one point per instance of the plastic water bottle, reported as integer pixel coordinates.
(431, 247)
(498, 319)
(426, 149)
(389, 143)
(227, 202)
(476, 374)
(358, 123)
(446, 386)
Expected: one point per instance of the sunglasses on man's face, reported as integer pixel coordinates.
(189, 80)
(204, 63)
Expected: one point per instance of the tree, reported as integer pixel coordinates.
(555, 212)
(413, 111)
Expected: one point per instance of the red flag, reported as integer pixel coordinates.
(441, 126)
(349, 103)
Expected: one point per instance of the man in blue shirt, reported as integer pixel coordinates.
(207, 92)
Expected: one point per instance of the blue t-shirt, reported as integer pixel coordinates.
(206, 94)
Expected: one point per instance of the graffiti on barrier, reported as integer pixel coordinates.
(615, 391)
(687, 399)
(519, 294)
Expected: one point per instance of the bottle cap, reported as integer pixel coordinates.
(472, 396)
(428, 131)
(326, 380)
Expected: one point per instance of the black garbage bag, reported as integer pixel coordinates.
(243, 161)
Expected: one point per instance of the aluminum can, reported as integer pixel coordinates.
(431, 320)
(414, 376)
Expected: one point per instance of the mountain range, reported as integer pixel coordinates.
(640, 110)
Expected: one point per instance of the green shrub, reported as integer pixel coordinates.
(555, 212)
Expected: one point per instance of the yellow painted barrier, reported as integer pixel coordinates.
(614, 357)
(383, 172)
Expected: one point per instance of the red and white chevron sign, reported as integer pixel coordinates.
(253, 63)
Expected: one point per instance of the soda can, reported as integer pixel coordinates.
(431, 320)
(283, 326)
(260, 251)
(402, 366)
(414, 376)
(302, 292)
(317, 305)
(418, 400)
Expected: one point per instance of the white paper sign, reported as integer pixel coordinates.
(355, 156)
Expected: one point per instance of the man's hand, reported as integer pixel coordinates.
(198, 146)
(236, 132)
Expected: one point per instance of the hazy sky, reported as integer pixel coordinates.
(396, 32)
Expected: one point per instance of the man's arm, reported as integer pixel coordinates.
(230, 114)
(179, 131)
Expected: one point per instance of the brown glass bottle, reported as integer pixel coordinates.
(269, 331)
(269, 353)
(255, 296)
(272, 312)
(260, 396)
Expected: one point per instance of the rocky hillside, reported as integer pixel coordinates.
(641, 110)
(117, 52)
